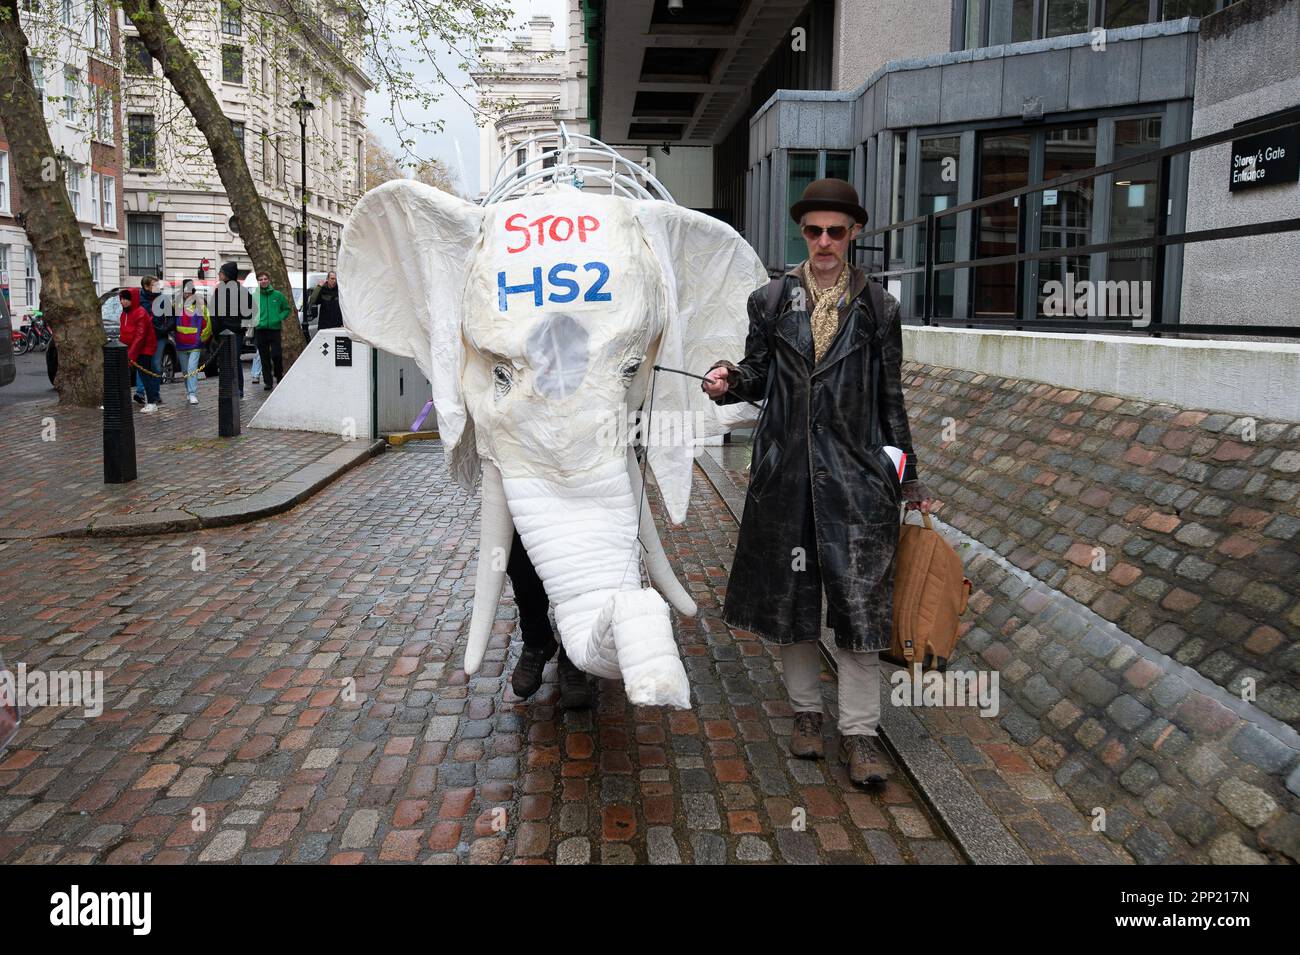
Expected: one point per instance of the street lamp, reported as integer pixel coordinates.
(303, 106)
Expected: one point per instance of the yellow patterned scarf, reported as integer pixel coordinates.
(826, 313)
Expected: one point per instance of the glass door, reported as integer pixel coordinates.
(1066, 219)
(1004, 164)
(1135, 207)
(938, 185)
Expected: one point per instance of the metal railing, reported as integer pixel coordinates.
(932, 267)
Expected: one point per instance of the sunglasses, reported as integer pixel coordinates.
(814, 232)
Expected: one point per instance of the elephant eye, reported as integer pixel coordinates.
(502, 380)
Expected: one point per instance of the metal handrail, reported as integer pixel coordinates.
(931, 267)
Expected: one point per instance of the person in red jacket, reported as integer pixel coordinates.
(137, 334)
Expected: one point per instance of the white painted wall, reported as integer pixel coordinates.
(1249, 378)
(316, 395)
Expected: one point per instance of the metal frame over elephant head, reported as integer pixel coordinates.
(538, 321)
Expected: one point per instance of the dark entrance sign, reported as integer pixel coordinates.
(1268, 159)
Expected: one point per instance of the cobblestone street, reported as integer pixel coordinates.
(290, 691)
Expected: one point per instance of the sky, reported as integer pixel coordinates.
(457, 145)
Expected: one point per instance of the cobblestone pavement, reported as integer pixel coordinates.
(289, 691)
(58, 455)
(1011, 779)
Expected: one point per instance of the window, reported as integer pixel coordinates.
(94, 198)
(803, 170)
(4, 183)
(1177, 9)
(1010, 21)
(96, 270)
(4, 259)
(143, 243)
(1066, 16)
(139, 61)
(108, 187)
(232, 63)
(1066, 217)
(937, 190)
(1003, 165)
(238, 129)
(65, 12)
(971, 34)
(521, 155)
(38, 79)
(1135, 202)
(232, 17)
(1125, 13)
(31, 278)
(103, 39)
(899, 199)
(140, 142)
(73, 179)
(102, 100)
(72, 95)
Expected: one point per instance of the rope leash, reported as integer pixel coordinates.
(691, 374)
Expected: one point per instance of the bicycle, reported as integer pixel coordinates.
(32, 336)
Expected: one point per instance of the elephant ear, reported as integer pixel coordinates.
(405, 253)
(709, 272)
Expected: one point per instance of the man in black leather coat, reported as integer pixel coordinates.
(824, 351)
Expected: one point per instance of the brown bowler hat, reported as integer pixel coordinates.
(829, 195)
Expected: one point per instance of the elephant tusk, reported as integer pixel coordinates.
(656, 561)
(496, 531)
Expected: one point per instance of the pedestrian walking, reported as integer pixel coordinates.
(193, 330)
(137, 334)
(232, 305)
(148, 295)
(822, 509)
(326, 295)
(272, 309)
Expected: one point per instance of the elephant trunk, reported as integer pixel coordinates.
(581, 535)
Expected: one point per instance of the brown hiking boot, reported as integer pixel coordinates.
(867, 766)
(806, 740)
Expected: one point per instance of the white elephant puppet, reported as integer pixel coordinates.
(537, 321)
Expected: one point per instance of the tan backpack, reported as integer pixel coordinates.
(930, 595)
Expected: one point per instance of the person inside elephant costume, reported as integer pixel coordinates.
(538, 322)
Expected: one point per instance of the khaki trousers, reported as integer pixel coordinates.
(859, 685)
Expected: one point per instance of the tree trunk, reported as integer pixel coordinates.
(178, 65)
(68, 299)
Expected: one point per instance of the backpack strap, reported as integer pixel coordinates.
(877, 292)
(774, 289)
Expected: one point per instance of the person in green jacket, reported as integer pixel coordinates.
(272, 309)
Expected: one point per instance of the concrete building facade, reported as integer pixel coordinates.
(74, 54)
(177, 214)
(529, 86)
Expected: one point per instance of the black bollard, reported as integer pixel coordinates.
(119, 420)
(228, 388)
